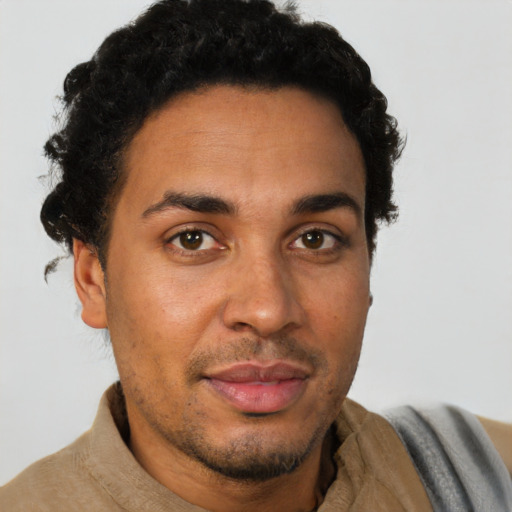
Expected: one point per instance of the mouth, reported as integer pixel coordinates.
(257, 388)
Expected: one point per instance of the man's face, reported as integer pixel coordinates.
(237, 277)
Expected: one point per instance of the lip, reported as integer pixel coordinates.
(259, 388)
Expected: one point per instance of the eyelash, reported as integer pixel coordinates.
(340, 242)
(189, 252)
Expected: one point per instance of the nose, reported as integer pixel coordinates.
(263, 299)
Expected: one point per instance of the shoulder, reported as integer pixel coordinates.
(454, 456)
(501, 436)
(59, 482)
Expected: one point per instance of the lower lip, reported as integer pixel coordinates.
(259, 398)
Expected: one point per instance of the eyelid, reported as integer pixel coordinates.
(298, 240)
(341, 241)
(184, 228)
(205, 230)
(327, 230)
(203, 233)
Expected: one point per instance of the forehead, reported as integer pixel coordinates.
(244, 144)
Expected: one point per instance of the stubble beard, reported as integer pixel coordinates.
(254, 456)
(250, 458)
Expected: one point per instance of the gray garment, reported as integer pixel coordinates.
(456, 460)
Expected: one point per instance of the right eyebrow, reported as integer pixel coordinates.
(194, 202)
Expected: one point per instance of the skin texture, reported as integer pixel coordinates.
(259, 280)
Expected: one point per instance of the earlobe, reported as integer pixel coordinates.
(90, 285)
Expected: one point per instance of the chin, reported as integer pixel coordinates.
(251, 454)
(252, 457)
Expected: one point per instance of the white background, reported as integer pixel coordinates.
(440, 328)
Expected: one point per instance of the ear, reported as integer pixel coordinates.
(90, 285)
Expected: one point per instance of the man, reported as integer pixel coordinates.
(224, 167)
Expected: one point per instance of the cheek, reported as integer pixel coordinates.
(337, 318)
(153, 297)
(338, 306)
(156, 319)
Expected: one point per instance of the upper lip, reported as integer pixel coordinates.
(259, 372)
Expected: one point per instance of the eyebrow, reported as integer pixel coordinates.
(193, 202)
(202, 203)
(324, 202)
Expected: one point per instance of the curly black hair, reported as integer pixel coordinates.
(180, 45)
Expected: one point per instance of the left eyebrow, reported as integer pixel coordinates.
(325, 202)
(193, 202)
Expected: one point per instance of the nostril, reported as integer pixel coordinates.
(241, 326)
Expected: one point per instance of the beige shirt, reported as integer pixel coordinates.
(99, 473)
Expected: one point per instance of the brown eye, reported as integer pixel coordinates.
(313, 239)
(193, 240)
(317, 240)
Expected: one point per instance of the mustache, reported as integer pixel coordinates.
(247, 349)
